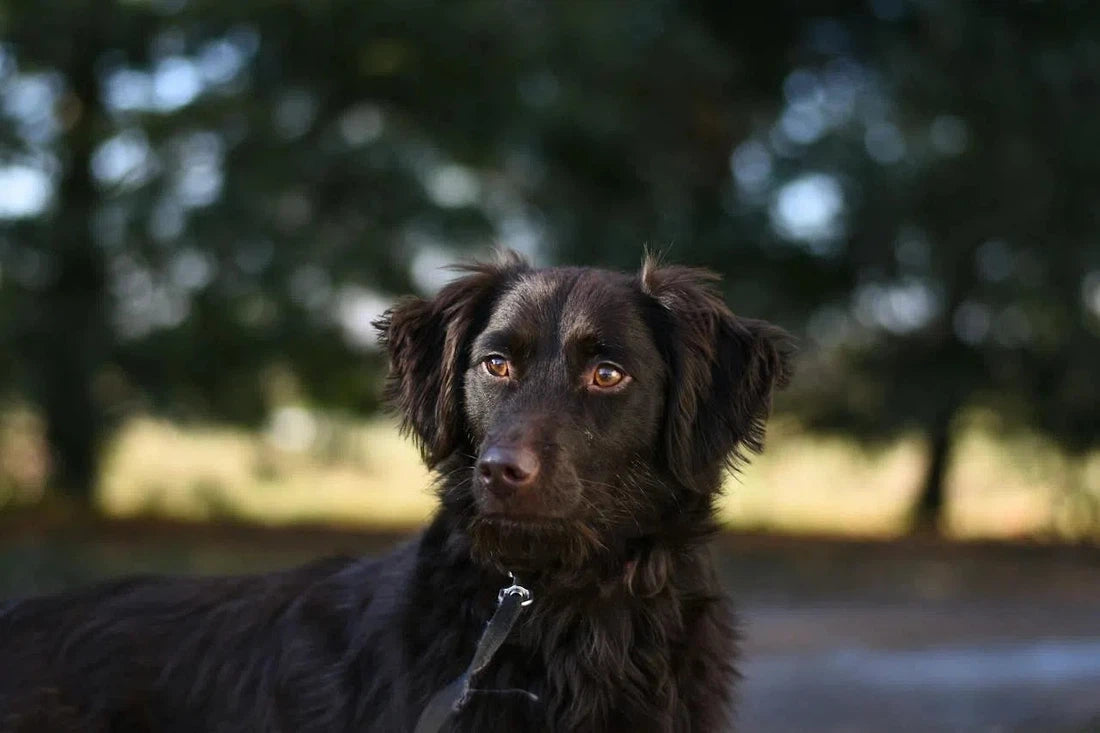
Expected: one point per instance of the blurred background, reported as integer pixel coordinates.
(204, 204)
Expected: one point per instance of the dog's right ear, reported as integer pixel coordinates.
(427, 342)
(723, 370)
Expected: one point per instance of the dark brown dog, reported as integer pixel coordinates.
(580, 421)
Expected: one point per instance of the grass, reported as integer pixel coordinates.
(311, 468)
(374, 476)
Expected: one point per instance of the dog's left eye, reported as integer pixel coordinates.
(497, 366)
(607, 375)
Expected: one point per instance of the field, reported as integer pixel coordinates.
(307, 467)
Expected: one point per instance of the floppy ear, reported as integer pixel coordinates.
(722, 371)
(427, 342)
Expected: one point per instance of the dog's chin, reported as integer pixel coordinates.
(531, 544)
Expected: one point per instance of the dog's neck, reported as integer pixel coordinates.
(642, 567)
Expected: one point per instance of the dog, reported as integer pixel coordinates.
(580, 422)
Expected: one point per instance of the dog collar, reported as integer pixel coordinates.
(511, 600)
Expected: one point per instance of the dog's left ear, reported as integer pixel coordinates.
(722, 372)
(427, 341)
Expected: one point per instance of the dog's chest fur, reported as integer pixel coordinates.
(604, 658)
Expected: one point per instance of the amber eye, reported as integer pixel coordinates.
(497, 366)
(607, 375)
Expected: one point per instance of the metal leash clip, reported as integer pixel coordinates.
(515, 589)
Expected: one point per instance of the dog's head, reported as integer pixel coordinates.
(572, 411)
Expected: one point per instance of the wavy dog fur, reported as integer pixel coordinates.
(629, 630)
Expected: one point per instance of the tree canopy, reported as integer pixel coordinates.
(198, 198)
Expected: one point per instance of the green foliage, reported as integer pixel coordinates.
(235, 188)
(970, 245)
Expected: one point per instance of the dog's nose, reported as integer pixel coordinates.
(504, 469)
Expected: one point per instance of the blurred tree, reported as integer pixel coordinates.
(208, 201)
(214, 196)
(941, 157)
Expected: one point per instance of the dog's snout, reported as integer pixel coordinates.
(506, 469)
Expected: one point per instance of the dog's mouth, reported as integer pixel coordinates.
(511, 542)
(519, 521)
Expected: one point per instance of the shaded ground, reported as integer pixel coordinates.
(946, 666)
(917, 635)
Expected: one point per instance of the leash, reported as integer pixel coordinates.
(451, 699)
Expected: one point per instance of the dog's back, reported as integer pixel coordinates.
(188, 654)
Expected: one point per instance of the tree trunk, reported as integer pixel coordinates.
(70, 336)
(928, 511)
(67, 355)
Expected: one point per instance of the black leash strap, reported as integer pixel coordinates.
(452, 698)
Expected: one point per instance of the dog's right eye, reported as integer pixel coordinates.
(498, 366)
